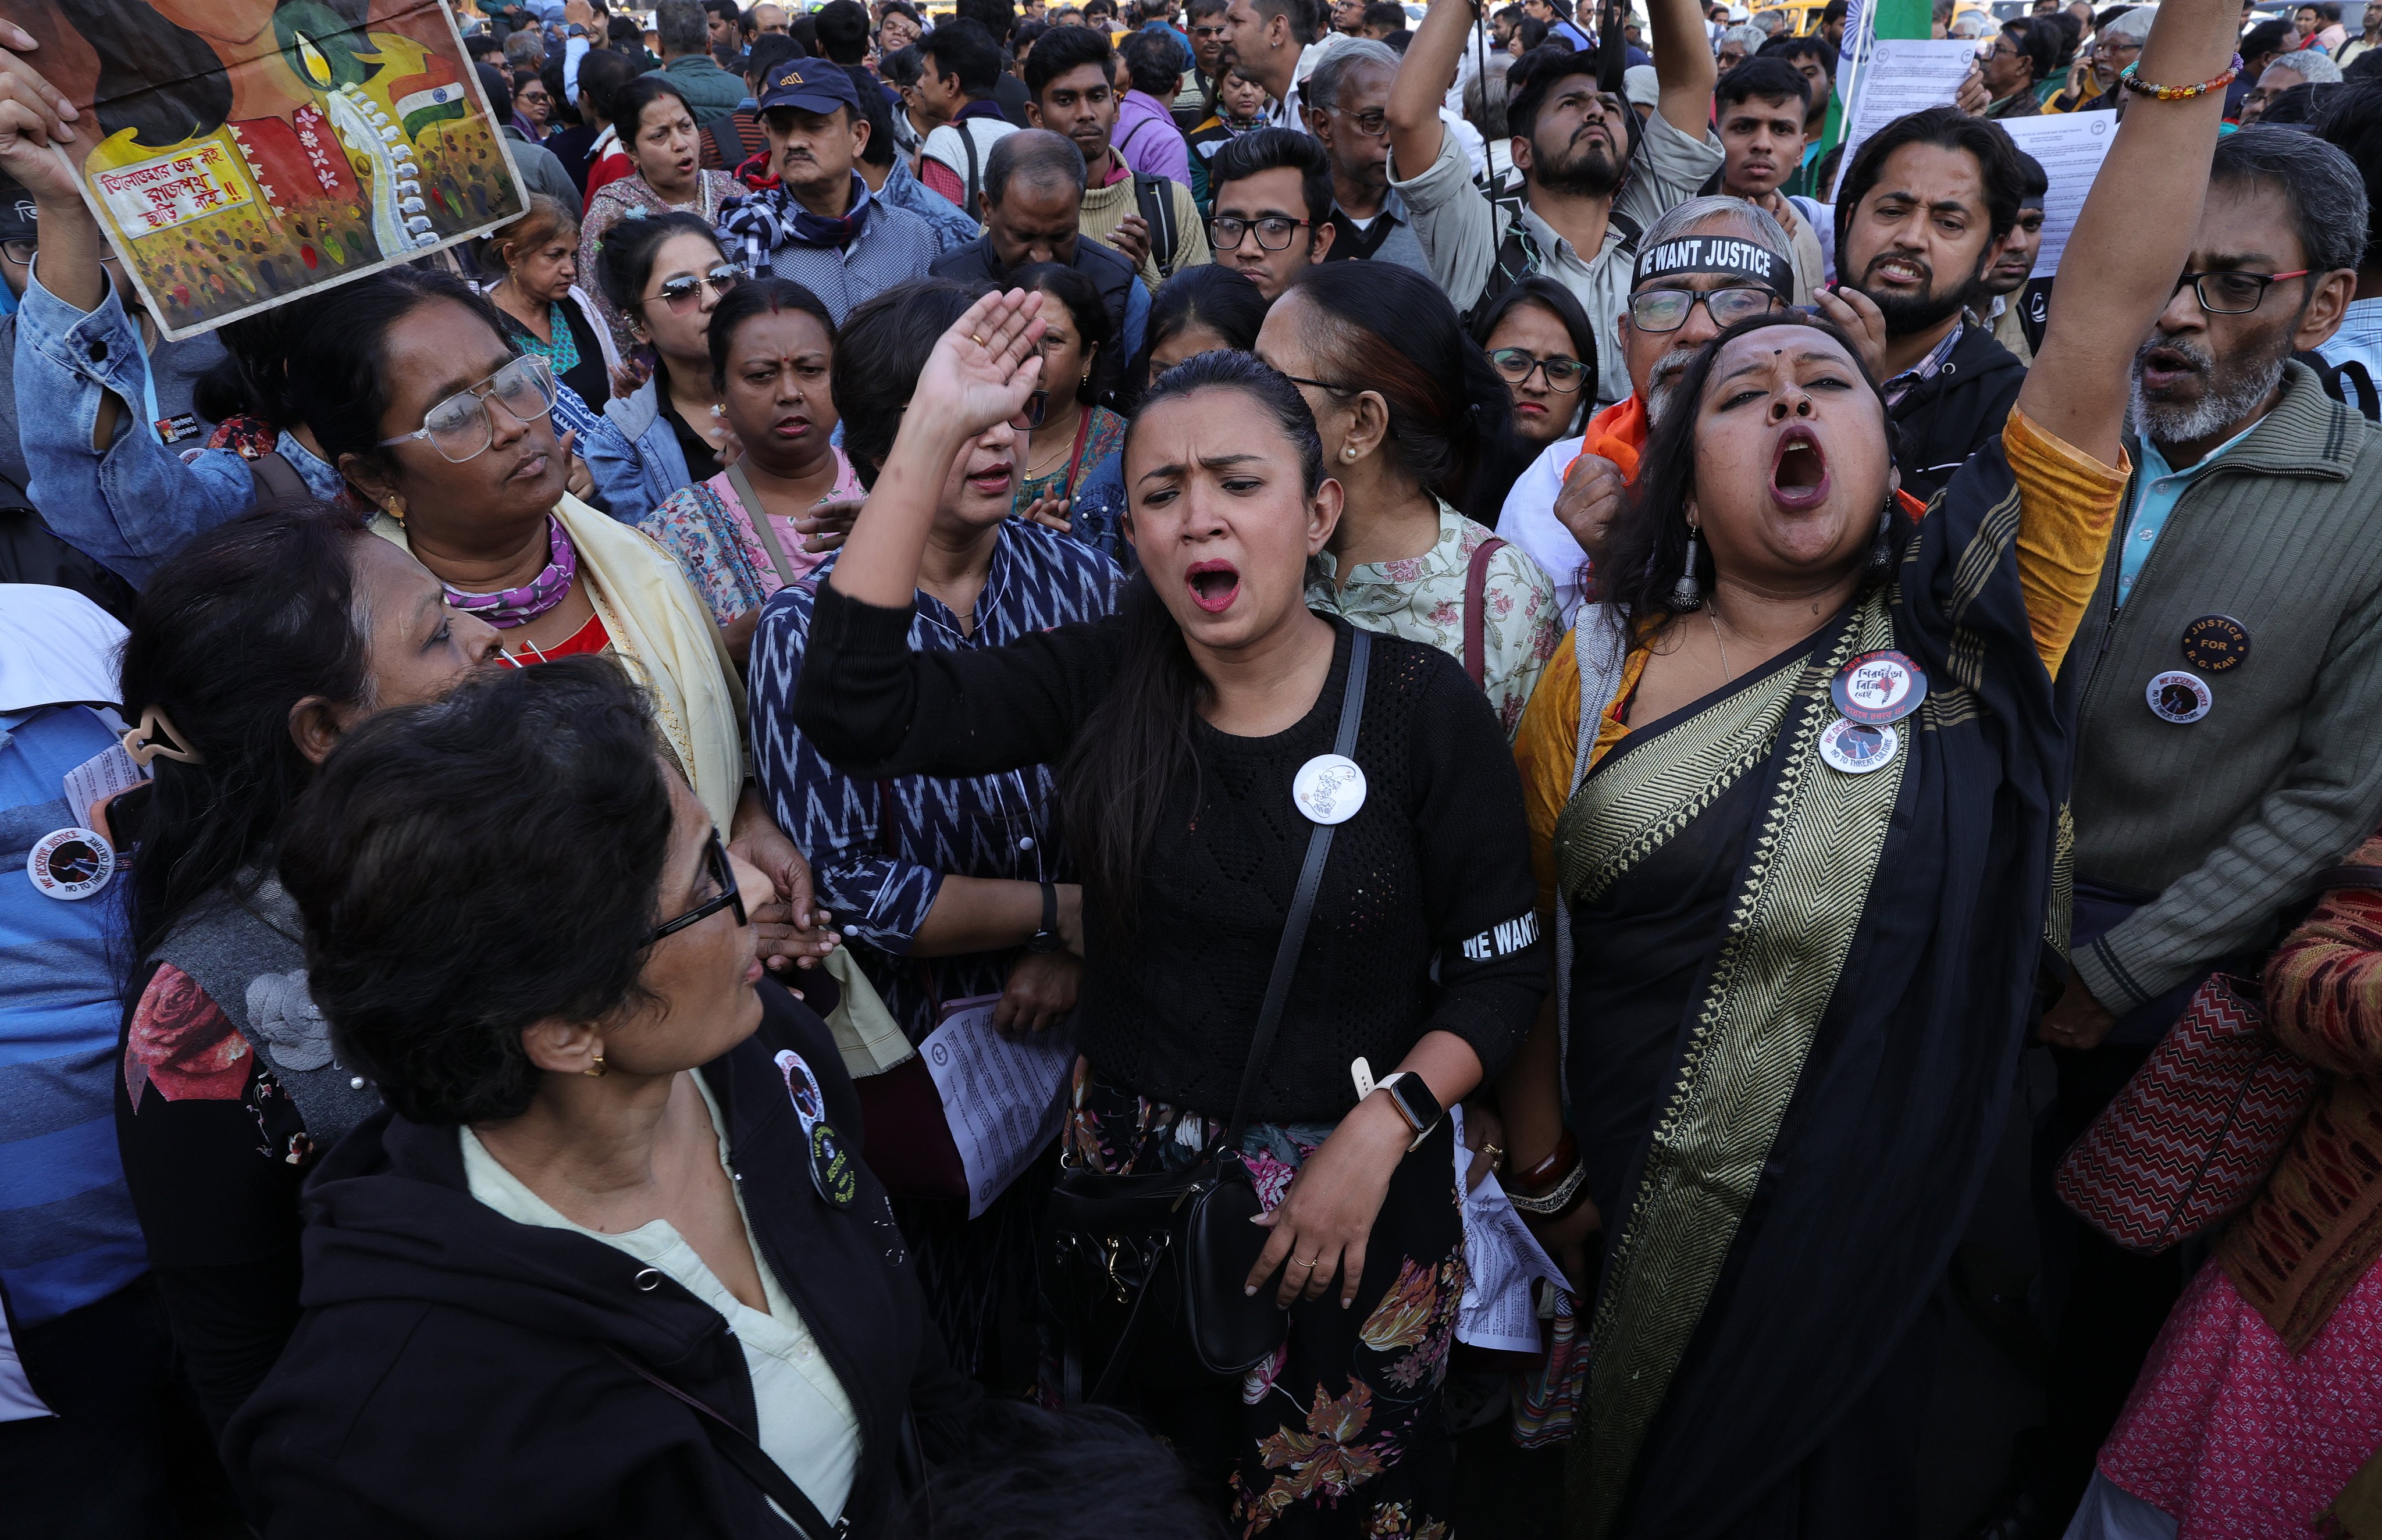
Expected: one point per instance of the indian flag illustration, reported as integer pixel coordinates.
(425, 99)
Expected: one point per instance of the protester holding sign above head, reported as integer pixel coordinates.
(1591, 182)
(1920, 217)
(1216, 738)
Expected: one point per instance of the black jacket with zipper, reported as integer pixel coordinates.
(1948, 416)
(454, 1374)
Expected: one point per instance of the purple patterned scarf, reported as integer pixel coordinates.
(519, 606)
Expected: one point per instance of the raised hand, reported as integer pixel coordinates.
(983, 370)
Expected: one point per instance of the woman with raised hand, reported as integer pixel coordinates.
(951, 886)
(665, 273)
(664, 151)
(746, 532)
(609, 1264)
(1182, 727)
(1411, 413)
(258, 647)
(1812, 831)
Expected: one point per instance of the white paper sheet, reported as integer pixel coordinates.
(1502, 1260)
(1903, 75)
(100, 776)
(1000, 1096)
(2072, 147)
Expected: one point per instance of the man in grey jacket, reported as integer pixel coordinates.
(2227, 683)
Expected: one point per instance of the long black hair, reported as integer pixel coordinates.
(246, 620)
(1388, 328)
(1646, 550)
(1114, 780)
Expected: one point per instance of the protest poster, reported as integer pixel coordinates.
(1902, 77)
(2071, 147)
(241, 154)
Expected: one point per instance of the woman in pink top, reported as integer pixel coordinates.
(740, 535)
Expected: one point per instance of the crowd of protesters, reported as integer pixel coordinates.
(1517, 652)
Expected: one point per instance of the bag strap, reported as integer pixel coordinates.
(738, 1449)
(1476, 622)
(759, 518)
(975, 198)
(1302, 903)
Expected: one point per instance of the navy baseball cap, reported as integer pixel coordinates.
(812, 85)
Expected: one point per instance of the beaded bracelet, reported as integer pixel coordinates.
(2127, 78)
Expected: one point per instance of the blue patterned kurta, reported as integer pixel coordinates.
(879, 850)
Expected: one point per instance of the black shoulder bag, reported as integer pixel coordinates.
(1171, 1251)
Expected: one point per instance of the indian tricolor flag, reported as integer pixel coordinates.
(426, 99)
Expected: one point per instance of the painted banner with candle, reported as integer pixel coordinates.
(249, 152)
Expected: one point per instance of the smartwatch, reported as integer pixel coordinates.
(1414, 1103)
(1047, 938)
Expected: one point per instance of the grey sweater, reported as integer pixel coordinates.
(2225, 819)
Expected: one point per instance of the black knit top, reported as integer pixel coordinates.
(1423, 921)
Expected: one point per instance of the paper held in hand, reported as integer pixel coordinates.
(2072, 147)
(1502, 1262)
(1902, 76)
(1002, 1096)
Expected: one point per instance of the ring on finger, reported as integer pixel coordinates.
(1296, 1261)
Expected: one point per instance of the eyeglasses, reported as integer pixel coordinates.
(1373, 125)
(1273, 231)
(1037, 406)
(2233, 293)
(1212, 33)
(1513, 365)
(464, 425)
(1321, 384)
(19, 253)
(715, 857)
(1666, 310)
(679, 293)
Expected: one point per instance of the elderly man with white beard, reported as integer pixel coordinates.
(2228, 686)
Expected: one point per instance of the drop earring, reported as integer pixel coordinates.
(1689, 591)
(1881, 549)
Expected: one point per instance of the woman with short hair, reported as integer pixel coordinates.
(607, 1266)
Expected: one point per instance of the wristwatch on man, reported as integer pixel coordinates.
(1411, 1095)
(1047, 939)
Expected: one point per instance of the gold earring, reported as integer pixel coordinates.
(394, 509)
(595, 1070)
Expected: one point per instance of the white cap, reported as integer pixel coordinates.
(1738, 13)
(1641, 85)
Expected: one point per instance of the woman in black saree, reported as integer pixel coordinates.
(1809, 850)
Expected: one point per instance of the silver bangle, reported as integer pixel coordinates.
(1554, 1200)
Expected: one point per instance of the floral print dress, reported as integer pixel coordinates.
(1341, 1432)
(710, 532)
(1422, 599)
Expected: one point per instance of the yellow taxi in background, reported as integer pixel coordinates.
(1802, 15)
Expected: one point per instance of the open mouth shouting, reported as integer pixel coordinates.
(992, 481)
(1799, 476)
(1214, 585)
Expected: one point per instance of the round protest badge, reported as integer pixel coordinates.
(1329, 789)
(1857, 747)
(2176, 696)
(1878, 688)
(2215, 642)
(71, 863)
(831, 1171)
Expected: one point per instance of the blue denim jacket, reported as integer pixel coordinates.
(634, 455)
(135, 505)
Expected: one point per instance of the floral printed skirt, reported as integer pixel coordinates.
(1341, 1433)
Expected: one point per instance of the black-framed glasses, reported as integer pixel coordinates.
(1666, 310)
(714, 856)
(681, 291)
(1320, 384)
(1514, 366)
(19, 253)
(1273, 231)
(1037, 408)
(464, 425)
(2234, 293)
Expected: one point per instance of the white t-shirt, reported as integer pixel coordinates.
(1528, 520)
(947, 145)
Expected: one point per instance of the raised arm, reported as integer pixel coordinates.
(1683, 65)
(1422, 84)
(2135, 232)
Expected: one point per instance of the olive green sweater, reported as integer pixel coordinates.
(2226, 818)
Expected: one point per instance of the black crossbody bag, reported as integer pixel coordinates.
(1169, 1252)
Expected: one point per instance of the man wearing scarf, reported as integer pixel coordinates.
(1560, 505)
(818, 225)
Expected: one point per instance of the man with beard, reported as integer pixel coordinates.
(1577, 221)
(1925, 209)
(1347, 98)
(1705, 264)
(2246, 568)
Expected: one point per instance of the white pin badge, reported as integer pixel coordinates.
(2179, 696)
(71, 863)
(1329, 789)
(1857, 747)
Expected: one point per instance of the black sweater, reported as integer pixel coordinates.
(1432, 875)
(1949, 415)
(455, 1372)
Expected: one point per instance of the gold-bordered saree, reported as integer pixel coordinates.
(1797, 995)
